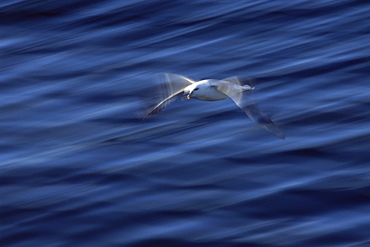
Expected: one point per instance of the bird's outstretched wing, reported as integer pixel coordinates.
(169, 88)
(163, 104)
(254, 113)
(252, 110)
(240, 81)
(171, 83)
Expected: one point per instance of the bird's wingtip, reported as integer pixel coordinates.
(281, 136)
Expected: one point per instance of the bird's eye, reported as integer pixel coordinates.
(195, 89)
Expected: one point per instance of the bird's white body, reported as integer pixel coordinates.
(207, 89)
(204, 91)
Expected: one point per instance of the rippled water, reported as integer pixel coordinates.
(79, 168)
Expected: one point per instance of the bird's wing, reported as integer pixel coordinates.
(254, 113)
(233, 79)
(170, 86)
(172, 83)
(252, 110)
(240, 81)
(163, 104)
(232, 90)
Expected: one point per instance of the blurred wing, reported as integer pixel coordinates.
(170, 86)
(254, 113)
(240, 81)
(233, 79)
(171, 83)
(163, 104)
(232, 90)
(252, 110)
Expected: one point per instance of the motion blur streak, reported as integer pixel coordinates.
(78, 168)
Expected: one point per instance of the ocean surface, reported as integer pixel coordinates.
(79, 167)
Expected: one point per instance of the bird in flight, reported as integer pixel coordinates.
(175, 86)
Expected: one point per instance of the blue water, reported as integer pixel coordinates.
(79, 168)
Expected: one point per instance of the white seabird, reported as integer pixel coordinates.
(212, 90)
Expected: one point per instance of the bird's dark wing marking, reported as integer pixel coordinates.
(254, 113)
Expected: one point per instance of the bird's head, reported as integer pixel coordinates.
(191, 91)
